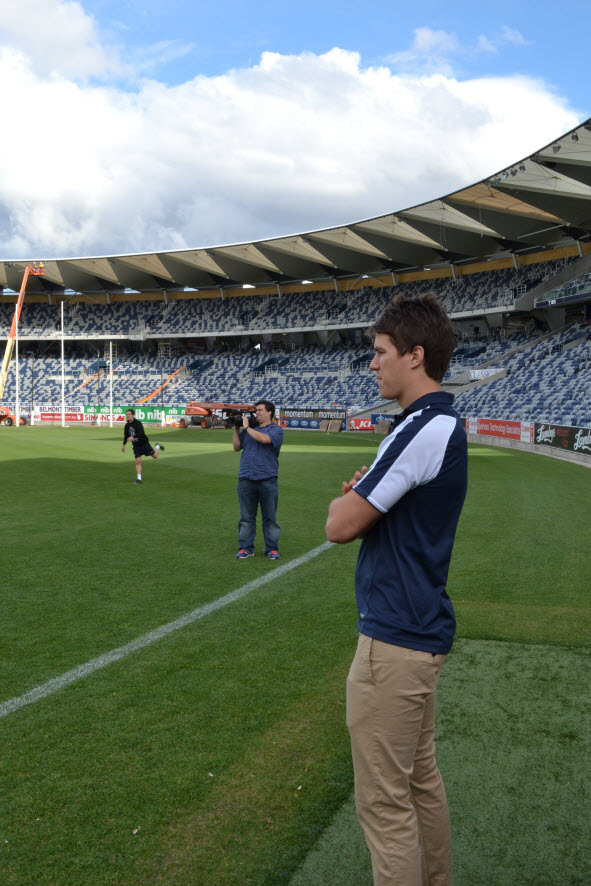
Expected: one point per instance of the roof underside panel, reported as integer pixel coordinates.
(396, 229)
(514, 228)
(570, 210)
(191, 274)
(405, 253)
(347, 261)
(541, 201)
(296, 268)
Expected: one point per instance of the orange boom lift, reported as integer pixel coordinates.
(36, 271)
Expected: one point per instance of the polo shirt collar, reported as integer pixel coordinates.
(435, 398)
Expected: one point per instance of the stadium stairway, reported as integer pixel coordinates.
(570, 271)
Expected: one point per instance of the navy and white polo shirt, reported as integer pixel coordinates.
(418, 482)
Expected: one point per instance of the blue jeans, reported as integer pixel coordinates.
(250, 494)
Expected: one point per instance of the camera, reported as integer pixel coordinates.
(233, 418)
(252, 419)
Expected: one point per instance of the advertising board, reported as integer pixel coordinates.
(495, 427)
(573, 439)
(101, 414)
(361, 424)
(562, 437)
(308, 419)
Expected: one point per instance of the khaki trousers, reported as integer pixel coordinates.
(399, 793)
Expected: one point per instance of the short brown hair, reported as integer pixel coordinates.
(419, 320)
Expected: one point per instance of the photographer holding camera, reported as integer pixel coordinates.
(257, 479)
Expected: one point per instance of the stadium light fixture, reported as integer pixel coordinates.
(555, 148)
(574, 137)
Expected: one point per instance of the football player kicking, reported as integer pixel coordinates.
(134, 433)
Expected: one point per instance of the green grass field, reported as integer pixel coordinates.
(217, 754)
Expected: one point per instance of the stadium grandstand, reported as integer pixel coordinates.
(509, 257)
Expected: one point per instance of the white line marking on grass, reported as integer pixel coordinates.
(95, 664)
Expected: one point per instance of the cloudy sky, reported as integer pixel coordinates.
(139, 125)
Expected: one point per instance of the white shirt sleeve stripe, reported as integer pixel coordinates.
(416, 465)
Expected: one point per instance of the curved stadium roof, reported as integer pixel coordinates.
(538, 203)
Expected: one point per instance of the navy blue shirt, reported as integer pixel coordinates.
(260, 461)
(418, 482)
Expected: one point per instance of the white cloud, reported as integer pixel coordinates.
(57, 36)
(510, 35)
(146, 60)
(293, 143)
(505, 37)
(438, 51)
(483, 44)
(428, 40)
(430, 51)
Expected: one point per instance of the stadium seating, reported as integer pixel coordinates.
(209, 342)
(548, 382)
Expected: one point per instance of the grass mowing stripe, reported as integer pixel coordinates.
(95, 664)
(513, 732)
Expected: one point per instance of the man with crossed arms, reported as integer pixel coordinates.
(405, 508)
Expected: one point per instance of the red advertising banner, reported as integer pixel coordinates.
(498, 427)
(360, 424)
(57, 416)
(87, 418)
(492, 427)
